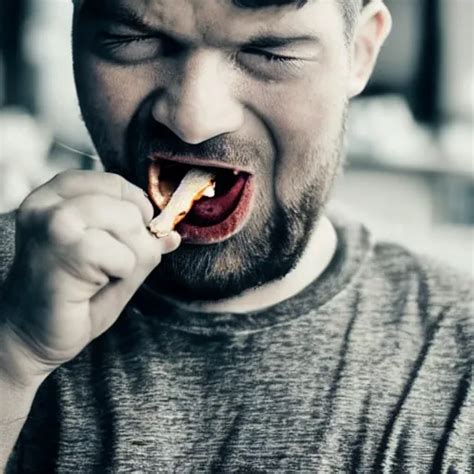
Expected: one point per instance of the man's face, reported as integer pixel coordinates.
(260, 90)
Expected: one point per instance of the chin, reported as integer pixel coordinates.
(258, 254)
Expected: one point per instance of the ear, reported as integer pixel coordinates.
(373, 27)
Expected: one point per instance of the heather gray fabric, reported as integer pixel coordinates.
(367, 370)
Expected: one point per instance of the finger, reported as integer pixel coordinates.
(69, 220)
(66, 222)
(123, 219)
(96, 258)
(150, 249)
(38, 200)
(75, 183)
(169, 243)
(107, 305)
(108, 254)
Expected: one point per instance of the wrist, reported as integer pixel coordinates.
(18, 369)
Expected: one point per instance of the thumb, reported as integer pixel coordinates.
(170, 243)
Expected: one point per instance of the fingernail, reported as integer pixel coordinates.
(176, 237)
(171, 242)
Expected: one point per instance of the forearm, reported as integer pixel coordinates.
(15, 404)
(17, 392)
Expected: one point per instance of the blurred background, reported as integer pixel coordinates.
(410, 168)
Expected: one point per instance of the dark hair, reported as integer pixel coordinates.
(276, 3)
(267, 3)
(349, 8)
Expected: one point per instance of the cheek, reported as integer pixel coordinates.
(109, 97)
(308, 128)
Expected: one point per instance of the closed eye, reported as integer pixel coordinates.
(135, 47)
(114, 39)
(269, 56)
(269, 64)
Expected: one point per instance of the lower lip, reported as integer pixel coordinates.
(205, 235)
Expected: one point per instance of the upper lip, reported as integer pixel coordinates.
(192, 161)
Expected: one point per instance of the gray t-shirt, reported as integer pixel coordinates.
(369, 369)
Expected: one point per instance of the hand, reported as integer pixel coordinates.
(82, 251)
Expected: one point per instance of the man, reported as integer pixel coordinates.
(259, 336)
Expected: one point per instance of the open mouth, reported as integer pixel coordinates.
(205, 204)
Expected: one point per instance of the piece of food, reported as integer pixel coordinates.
(156, 191)
(174, 202)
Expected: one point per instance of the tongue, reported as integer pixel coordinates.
(209, 211)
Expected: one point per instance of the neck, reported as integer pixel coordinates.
(315, 259)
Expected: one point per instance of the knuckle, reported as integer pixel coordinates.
(70, 174)
(118, 183)
(58, 221)
(61, 179)
(58, 178)
(66, 179)
(62, 225)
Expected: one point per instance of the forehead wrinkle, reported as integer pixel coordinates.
(240, 26)
(220, 24)
(179, 18)
(157, 14)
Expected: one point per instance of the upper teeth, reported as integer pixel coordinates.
(210, 191)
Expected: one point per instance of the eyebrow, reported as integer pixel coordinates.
(96, 10)
(273, 41)
(130, 18)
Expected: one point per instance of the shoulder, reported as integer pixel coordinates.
(7, 242)
(392, 273)
(398, 288)
(437, 286)
(422, 299)
(412, 327)
(430, 320)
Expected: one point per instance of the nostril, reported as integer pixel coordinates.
(160, 110)
(197, 117)
(182, 119)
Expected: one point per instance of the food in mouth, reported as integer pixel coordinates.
(175, 204)
(204, 204)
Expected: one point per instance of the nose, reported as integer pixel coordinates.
(198, 105)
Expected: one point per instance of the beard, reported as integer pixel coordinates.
(266, 249)
(274, 238)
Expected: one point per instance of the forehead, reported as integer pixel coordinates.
(218, 21)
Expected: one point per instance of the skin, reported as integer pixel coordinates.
(213, 97)
(82, 247)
